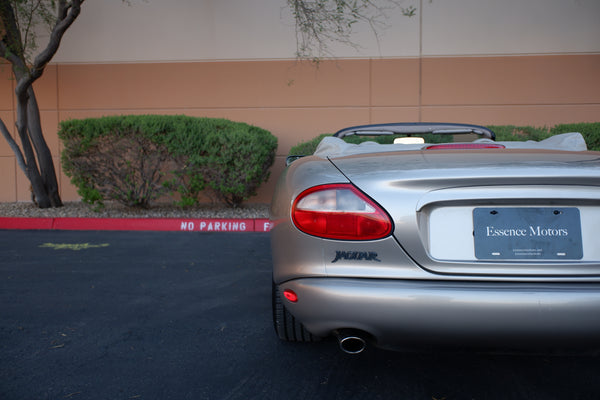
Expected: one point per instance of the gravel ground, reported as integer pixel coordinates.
(116, 210)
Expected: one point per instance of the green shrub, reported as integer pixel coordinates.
(136, 159)
(590, 131)
(237, 161)
(507, 133)
(308, 147)
(113, 161)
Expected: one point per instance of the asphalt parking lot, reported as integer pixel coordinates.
(124, 315)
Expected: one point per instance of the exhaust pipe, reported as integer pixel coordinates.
(351, 342)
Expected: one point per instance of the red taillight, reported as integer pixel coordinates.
(464, 146)
(290, 295)
(340, 211)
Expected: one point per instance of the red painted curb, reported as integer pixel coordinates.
(138, 224)
(25, 223)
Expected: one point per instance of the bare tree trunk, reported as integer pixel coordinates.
(44, 184)
(31, 167)
(44, 156)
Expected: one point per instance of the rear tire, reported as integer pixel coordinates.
(286, 326)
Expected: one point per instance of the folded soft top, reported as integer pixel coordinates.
(332, 147)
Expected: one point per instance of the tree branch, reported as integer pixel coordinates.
(14, 146)
(11, 35)
(67, 15)
(18, 18)
(320, 22)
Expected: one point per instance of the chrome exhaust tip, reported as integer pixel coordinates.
(351, 342)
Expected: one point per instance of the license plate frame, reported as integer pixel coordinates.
(527, 233)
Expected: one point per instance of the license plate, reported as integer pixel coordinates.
(512, 233)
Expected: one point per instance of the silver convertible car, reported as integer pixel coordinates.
(425, 242)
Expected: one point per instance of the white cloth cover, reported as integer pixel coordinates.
(332, 147)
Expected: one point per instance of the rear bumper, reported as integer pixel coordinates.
(397, 313)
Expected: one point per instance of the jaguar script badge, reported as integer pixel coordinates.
(356, 256)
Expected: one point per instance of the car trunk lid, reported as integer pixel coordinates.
(441, 201)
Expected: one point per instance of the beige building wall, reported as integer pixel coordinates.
(533, 62)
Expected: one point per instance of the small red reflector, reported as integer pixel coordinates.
(464, 146)
(290, 295)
